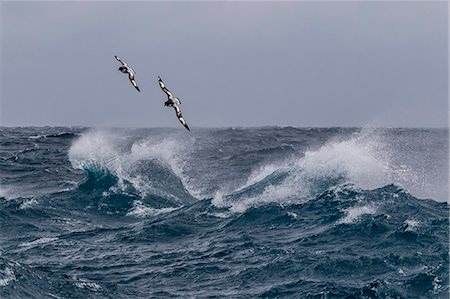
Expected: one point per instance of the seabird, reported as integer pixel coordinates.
(128, 70)
(173, 102)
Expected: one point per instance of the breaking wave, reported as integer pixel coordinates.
(147, 169)
(361, 161)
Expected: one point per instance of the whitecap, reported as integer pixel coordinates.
(38, 242)
(410, 225)
(6, 276)
(222, 215)
(37, 137)
(361, 162)
(355, 213)
(88, 285)
(113, 152)
(141, 210)
(292, 215)
(28, 203)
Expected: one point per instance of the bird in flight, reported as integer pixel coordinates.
(128, 70)
(173, 102)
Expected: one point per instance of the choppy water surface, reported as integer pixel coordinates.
(239, 213)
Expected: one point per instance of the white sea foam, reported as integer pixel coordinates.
(360, 160)
(6, 276)
(281, 194)
(97, 148)
(8, 192)
(260, 173)
(3, 192)
(141, 210)
(28, 203)
(219, 200)
(222, 215)
(292, 215)
(92, 286)
(37, 137)
(437, 286)
(85, 284)
(354, 213)
(411, 225)
(37, 242)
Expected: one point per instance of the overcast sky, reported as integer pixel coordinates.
(300, 64)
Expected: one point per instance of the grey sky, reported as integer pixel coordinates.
(231, 64)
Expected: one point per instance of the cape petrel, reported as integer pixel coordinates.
(173, 102)
(128, 70)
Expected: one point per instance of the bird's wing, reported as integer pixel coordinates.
(177, 109)
(161, 84)
(183, 122)
(120, 60)
(164, 88)
(180, 116)
(131, 77)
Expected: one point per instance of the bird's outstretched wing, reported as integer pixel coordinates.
(164, 88)
(131, 77)
(120, 60)
(180, 116)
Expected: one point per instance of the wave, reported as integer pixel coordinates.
(38, 242)
(146, 170)
(389, 212)
(54, 135)
(356, 212)
(150, 171)
(362, 161)
(385, 231)
(18, 280)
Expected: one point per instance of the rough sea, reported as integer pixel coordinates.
(224, 213)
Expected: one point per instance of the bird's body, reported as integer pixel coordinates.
(173, 102)
(128, 70)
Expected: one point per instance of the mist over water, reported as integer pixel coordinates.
(236, 212)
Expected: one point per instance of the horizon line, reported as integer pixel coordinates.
(226, 127)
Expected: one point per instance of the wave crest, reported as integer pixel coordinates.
(361, 161)
(149, 168)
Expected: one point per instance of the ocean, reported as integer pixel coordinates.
(265, 212)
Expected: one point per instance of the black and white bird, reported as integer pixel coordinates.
(173, 102)
(128, 70)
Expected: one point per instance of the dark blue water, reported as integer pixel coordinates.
(224, 213)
